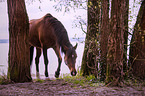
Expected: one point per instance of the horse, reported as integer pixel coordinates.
(48, 32)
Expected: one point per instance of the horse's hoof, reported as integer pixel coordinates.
(56, 74)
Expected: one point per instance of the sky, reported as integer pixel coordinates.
(37, 10)
(3, 21)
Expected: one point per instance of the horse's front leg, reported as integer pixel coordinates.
(57, 51)
(38, 54)
(45, 61)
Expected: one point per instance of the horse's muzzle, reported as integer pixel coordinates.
(73, 73)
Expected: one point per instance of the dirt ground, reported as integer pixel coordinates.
(61, 87)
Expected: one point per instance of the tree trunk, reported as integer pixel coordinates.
(91, 53)
(104, 37)
(137, 48)
(116, 44)
(126, 10)
(19, 59)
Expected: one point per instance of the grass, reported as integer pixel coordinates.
(135, 83)
(82, 81)
(4, 79)
(38, 80)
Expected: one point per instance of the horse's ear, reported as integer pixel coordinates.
(76, 45)
(65, 47)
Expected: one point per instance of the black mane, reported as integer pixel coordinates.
(60, 31)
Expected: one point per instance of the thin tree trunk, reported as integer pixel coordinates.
(19, 59)
(137, 48)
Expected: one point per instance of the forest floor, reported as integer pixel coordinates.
(57, 87)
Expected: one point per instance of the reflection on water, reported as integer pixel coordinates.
(53, 61)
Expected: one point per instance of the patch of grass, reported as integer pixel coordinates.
(97, 84)
(39, 80)
(75, 80)
(90, 78)
(82, 81)
(134, 82)
(4, 79)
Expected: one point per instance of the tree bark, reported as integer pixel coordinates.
(126, 10)
(104, 37)
(19, 58)
(137, 47)
(91, 53)
(116, 44)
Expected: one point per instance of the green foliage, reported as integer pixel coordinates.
(90, 78)
(4, 79)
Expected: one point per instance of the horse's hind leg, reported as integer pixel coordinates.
(38, 54)
(57, 51)
(31, 54)
(45, 60)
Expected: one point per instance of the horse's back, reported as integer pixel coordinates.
(41, 34)
(33, 33)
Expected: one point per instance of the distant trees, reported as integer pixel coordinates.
(18, 59)
(2, 0)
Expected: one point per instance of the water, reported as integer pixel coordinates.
(53, 61)
(3, 57)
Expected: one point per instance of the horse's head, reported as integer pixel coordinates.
(70, 59)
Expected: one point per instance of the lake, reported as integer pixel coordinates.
(53, 61)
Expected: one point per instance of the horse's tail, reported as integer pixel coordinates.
(31, 54)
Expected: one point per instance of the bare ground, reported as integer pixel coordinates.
(61, 87)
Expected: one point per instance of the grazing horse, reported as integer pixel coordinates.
(48, 32)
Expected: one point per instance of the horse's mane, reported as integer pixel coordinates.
(59, 30)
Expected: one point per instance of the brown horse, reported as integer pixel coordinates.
(48, 32)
